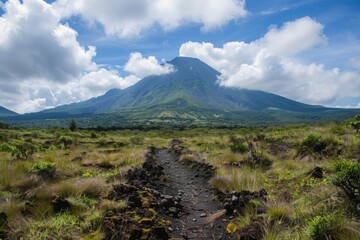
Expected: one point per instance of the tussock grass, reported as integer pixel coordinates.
(235, 179)
(295, 198)
(90, 187)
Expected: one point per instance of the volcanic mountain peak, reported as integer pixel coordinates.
(4, 112)
(193, 83)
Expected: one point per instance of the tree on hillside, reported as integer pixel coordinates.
(356, 124)
(72, 125)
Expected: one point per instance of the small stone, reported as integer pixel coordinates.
(173, 210)
(234, 198)
(164, 202)
(168, 197)
(170, 229)
(203, 215)
(194, 219)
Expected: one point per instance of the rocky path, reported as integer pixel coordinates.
(197, 200)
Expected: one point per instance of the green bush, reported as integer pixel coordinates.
(137, 140)
(6, 147)
(4, 125)
(45, 168)
(347, 177)
(93, 135)
(325, 227)
(65, 141)
(316, 144)
(238, 145)
(356, 124)
(23, 151)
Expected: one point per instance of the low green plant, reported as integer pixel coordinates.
(44, 168)
(5, 147)
(137, 140)
(93, 135)
(325, 227)
(347, 177)
(356, 124)
(238, 145)
(23, 151)
(65, 141)
(316, 144)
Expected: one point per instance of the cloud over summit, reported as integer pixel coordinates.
(271, 64)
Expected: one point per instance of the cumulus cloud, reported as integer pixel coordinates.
(141, 67)
(270, 64)
(34, 45)
(125, 18)
(42, 64)
(293, 37)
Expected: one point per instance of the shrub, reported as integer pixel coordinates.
(137, 140)
(6, 147)
(332, 226)
(23, 151)
(316, 144)
(238, 145)
(65, 141)
(45, 168)
(93, 135)
(4, 125)
(347, 177)
(325, 227)
(313, 143)
(356, 124)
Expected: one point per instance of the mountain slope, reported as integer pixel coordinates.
(4, 112)
(193, 83)
(189, 96)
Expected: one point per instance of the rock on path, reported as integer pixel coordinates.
(197, 199)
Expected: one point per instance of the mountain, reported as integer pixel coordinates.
(190, 95)
(192, 84)
(4, 112)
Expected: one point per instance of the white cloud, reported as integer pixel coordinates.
(293, 37)
(270, 64)
(33, 44)
(354, 62)
(43, 65)
(142, 67)
(125, 18)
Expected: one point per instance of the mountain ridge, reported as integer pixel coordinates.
(4, 112)
(193, 82)
(190, 95)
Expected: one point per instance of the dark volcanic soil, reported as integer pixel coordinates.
(197, 199)
(170, 198)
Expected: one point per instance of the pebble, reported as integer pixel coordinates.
(173, 210)
(163, 202)
(194, 219)
(170, 229)
(168, 197)
(203, 215)
(234, 198)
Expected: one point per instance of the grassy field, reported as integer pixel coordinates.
(311, 174)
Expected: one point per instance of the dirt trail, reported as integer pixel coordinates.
(197, 199)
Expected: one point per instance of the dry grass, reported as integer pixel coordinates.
(236, 179)
(91, 187)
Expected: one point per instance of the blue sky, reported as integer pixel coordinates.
(319, 64)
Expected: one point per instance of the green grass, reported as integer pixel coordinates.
(296, 201)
